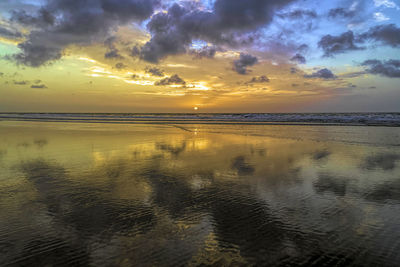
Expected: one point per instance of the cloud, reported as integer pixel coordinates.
(259, 79)
(245, 60)
(169, 34)
(38, 86)
(227, 22)
(74, 22)
(299, 59)
(299, 14)
(9, 33)
(325, 74)
(35, 53)
(332, 45)
(385, 3)
(114, 53)
(173, 80)
(207, 52)
(388, 68)
(120, 65)
(303, 48)
(341, 13)
(246, 14)
(352, 12)
(354, 74)
(388, 34)
(36, 83)
(154, 71)
(112, 50)
(21, 82)
(44, 18)
(378, 16)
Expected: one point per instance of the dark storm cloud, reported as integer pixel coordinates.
(173, 32)
(387, 34)
(245, 14)
(154, 71)
(173, 80)
(388, 68)
(325, 74)
(36, 52)
(66, 22)
(205, 52)
(299, 59)
(43, 18)
(169, 36)
(9, 33)
(245, 60)
(299, 14)
(332, 45)
(112, 50)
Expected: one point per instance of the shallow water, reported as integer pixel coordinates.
(170, 195)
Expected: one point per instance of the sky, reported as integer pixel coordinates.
(199, 56)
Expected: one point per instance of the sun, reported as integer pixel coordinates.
(195, 108)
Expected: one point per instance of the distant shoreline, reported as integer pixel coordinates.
(299, 119)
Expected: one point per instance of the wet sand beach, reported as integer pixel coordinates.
(105, 194)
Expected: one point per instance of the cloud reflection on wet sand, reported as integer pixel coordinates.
(158, 195)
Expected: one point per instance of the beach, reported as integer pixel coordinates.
(180, 192)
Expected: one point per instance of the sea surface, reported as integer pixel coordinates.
(366, 119)
(196, 193)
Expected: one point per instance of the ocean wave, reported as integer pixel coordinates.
(379, 119)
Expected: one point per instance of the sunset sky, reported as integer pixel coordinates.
(216, 55)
